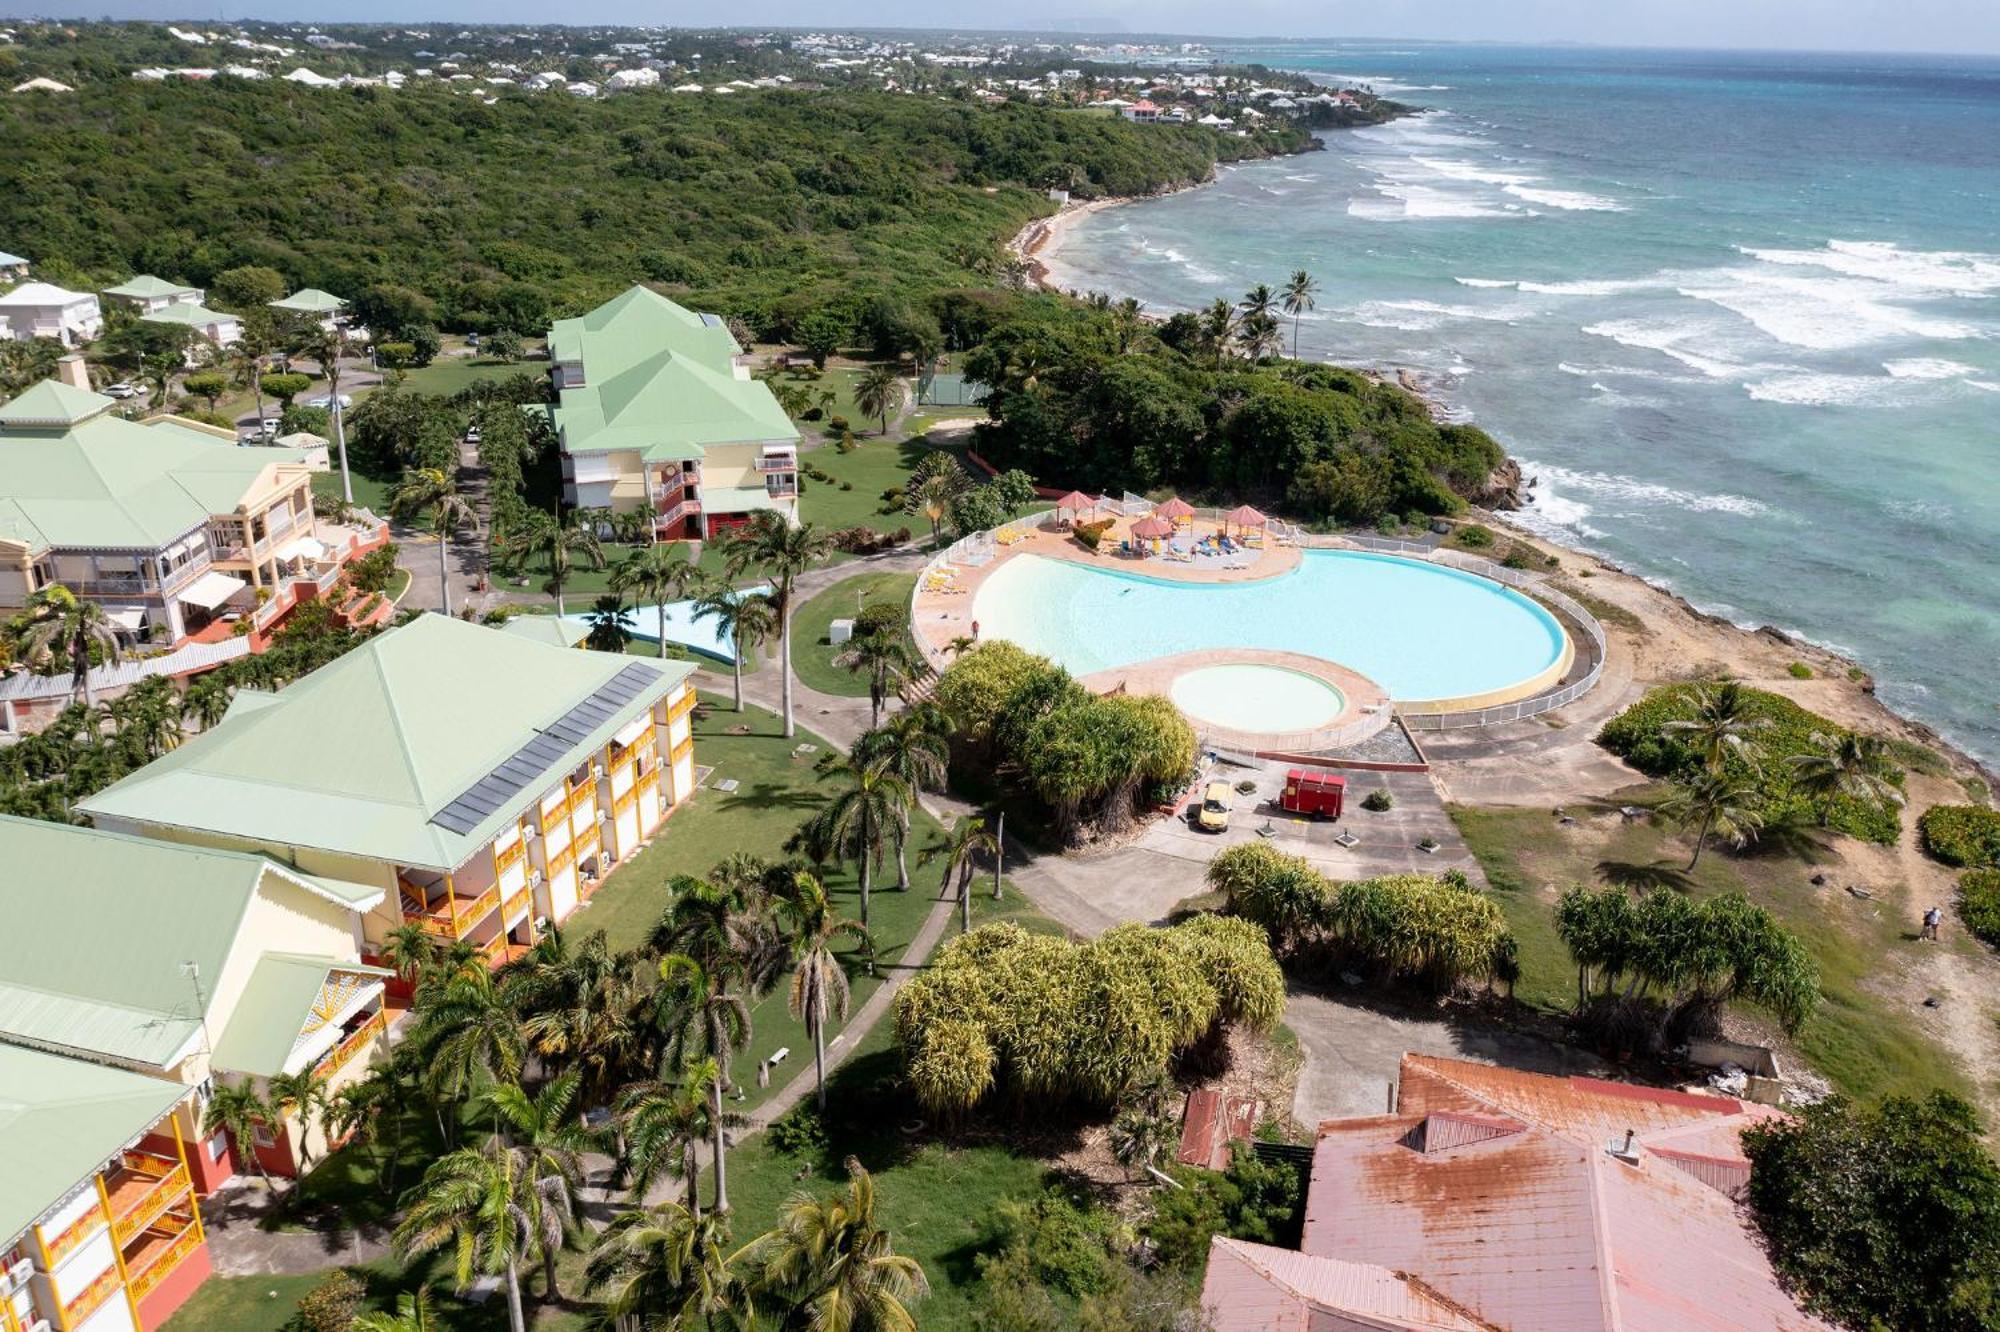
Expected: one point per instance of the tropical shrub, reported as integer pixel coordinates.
(1047, 1019)
(1979, 903)
(1256, 1200)
(1091, 534)
(1784, 731)
(1961, 835)
(1378, 800)
(332, 1304)
(974, 689)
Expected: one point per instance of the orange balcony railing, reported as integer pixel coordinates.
(164, 1248)
(92, 1297)
(62, 1244)
(683, 749)
(509, 856)
(517, 904)
(352, 1044)
(494, 950)
(140, 1188)
(453, 915)
(682, 706)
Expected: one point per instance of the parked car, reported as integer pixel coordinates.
(268, 427)
(121, 390)
(325, 402)
(1213, 813)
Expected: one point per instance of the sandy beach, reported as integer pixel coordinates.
(1037, 242)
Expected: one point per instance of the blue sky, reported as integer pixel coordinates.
(1956, 26)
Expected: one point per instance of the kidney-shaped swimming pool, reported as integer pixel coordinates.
(1426, 633)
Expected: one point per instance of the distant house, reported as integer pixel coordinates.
(1492, 1198)
(310, 302)
(1144, 111)
(43, 310)
(213, 325)
(633, 78)
(147, 293)
(43, 85)
(12, 266)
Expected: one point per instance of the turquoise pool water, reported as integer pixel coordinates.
(1421, 631)
(1245, 696)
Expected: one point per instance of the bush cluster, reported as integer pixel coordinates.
(1967, 836)
(1979, 903)
(866, 540)
(1637, 736)
(1042, 1018)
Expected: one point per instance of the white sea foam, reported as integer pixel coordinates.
(1823, 390)
(1520, 185)
(1485, 283)
(1984, 385)
(1668, 339)
(1571, 201)
(1913, 272)
(1604, 287)
(1173, 256)
(1419, 316)
(1401, 202)
(1606, 488)
(1452, 169)
(1821, 314)
(1924, 367)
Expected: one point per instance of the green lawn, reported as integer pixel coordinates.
(1859, 1039)
(874, 466)
(812, 654)
(268, 1303)
(450, 374)
(371, 492)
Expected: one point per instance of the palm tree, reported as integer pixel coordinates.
(914, 746)
(657, 574)
(610, 624)
(1859, 767)
(960, 849)
(1722, 725)
(304, 1095)
(581, 1009)
(469, 1035)
(558, 544)
(1257, 303)
(549, 1144)
(1218, 327)
(431, 493)
(206, 701)
(410, 951)
(830, 1264)
(890, 660)
(708, 1020)
(819, 981)
(745, 619)
(664, 1125)
(856, 824)
(784, 552)
(933, 495)
(878, 392)
(413, 1314)
(1713, 803)
(1298, 298)
(59, 619)
(1259, 336)
(235, 1108)
(476, 1201)
(245, 362)
(327, 346)
(663, 1267)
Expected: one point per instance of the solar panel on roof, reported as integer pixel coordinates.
(527, 765)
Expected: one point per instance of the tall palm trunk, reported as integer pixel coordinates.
(340, 439)
(965, 900)
(737, 664)
(819, 1056)
(721, 1170)
(515, 1319)
(444, 568)
(902, 854)
(554, 1293)
(867, 859)
(660, 613)
(1701, 839)
(785, 666)
(691, 1168)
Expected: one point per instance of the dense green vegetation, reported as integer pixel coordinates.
(436, 208)
(1884, 1217)
(1979, 903)
(1092, 396)
(1961, 835)
(1779, 763)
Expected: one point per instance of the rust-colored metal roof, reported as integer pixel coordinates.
(1500, 1193)
(1211, 1122)
(1280, 1290)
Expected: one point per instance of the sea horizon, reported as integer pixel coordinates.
(1734, 317)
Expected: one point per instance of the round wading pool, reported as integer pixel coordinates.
(1255, 698)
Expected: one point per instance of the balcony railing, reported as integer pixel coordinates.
(62, 1245)
(517, 905)
(92, 1297)
(142, 1187)
(494, 950)
(682, 706)
(673, 514)
(509, 856)
(772, 462)
(157, 1261)
(448, 919)
(683, 749)
(340, 1056)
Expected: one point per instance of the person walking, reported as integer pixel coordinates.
(1932, 919)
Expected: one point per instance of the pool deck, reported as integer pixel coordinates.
(1366, 712)
(938, 617)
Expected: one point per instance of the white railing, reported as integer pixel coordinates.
(1325, 738)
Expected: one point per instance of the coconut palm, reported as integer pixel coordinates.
(303, 1094)
(657, 574)
(244, 362)
(745, 619)
(769, 541)
(960, 849)
(914, 745)
(1218, 327)
(476, 1201)
(327, 346)
(548, 1143)
(1259, 336)
(1713, 803)
(581, 1009)
(1257, 303)
(1297, 299)
(889, 659)
(858, 823)
(1859, 767)
(206, 701)
(57, 619)
(468, 1034)
(431, 494)
(819, 982)
(663, 1126)
(410, 951)
(1722, 725)
(662, 1268)
(413, 1314)
(560, 545)
(831, 1264)
(236, 1108)
(878, 392)
(932, 494)
(707, 1017)
(610, 624)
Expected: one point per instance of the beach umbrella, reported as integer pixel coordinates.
(1177, 510)
(1244, 516)
(1152, 528)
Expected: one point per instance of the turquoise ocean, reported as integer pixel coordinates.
(1737, 314)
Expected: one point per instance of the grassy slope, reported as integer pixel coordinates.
(1858, 1039)
(812, 654)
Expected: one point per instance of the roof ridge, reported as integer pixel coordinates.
(373, 647)
(1600, 1234)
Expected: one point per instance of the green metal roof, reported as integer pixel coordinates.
(100, 927)
(61, 1120)
(361, 755)
(547, 629)
(264, 1030)
(184, 313)
(660, 380)
(310, 300)
(146, 287)
(74, 476)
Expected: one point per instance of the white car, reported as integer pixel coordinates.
(120, 390)
(472, 434)
(325, 401)
(267, 428)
